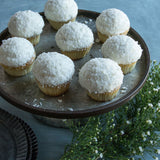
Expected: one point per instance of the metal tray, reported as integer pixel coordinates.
(17, 140)
(24, 93)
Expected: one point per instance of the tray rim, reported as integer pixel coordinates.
(87, 112)
(31, 139)
(20, 138)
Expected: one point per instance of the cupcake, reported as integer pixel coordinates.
(53, 73)
(74, 40)
(59, 12)
(112, 22)
(26, 24)
(124, 50)
(102, 78)
(17, 56)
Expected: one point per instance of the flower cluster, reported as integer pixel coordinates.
(125, 133)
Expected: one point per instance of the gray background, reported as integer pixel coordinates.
(145, 19)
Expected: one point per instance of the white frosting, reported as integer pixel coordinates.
(60, 10)
(122, 49)
(15, 52)
(53, 68)
(26, 24)
(100, 75)
(112, 22)
(73, 36)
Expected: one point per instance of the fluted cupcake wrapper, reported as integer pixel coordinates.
(57, 25)
(107, 96)
(77, 54)
(103, 37)
(21, 70)
(127, 68)
(53, 90)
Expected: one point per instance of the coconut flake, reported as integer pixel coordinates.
(100, 75)
(74, 36)
(16, 52)
(53, 68)
(60, 10)
(112, 22)
(26, 24)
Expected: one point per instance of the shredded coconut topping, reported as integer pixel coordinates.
(100, 75)
(73, 36)
(16, 52)
(112, 22)
(122, 49)
(26, 24)
(60, 10)
(53, 68)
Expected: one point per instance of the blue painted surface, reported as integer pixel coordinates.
(145, 19)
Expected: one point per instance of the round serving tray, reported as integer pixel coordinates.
(24, 93)
(32, 141)
(17, 140)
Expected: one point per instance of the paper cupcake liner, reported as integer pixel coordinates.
(103, 37)
(19, 71)
(34, 40)
(77, 54)
(53, 90)
(127, 68)
(58, 25)
(107, 96)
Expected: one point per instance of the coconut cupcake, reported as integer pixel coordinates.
(59, 12)
(17, 56)
(74, 39)
(26, 24)
(124, 50)
(112, 22)
(53, 72)
(102, 78)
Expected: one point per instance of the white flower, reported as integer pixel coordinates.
(149, 121)
(140, 149)
(111, 138)
(128, 122)
(158, 104)
(101, 155)
(150, 105)
(122, 132)
(96, 151)
(144, 139)
(158, 151)
(155, 89)
(148, 133)
(149, 92)
(145, 108)
(115, 135)
(95, 139)
(143, 134)
(134, 152)
(156, 158)
(151, 142)
(151, 83)
(138, 109)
